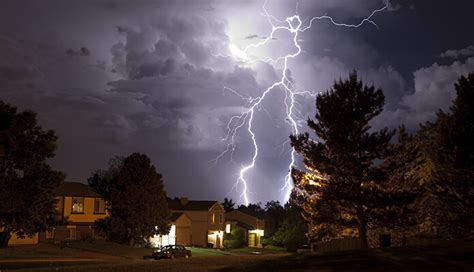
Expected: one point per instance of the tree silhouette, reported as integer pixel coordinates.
(138, 207)
(444, 166)
(228, 204)
(27, 182)
(344, 186)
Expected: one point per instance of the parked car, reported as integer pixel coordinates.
(171, 252)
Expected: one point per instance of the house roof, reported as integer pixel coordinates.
(76, 189)
(175, 216)
(259, 215)
(191, 205)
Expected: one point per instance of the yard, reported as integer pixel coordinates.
(447, 257)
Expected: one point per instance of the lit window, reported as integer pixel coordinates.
(77, 205)
(213, 218)
(227, 228)
(99, 205)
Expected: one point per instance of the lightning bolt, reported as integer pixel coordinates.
(293, 25)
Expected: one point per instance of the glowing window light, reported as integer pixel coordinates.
(227, 228)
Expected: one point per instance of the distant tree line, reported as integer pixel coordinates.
(359, 180)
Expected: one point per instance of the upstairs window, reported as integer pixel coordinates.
(99, 206)
(221, 218)
(77, 205)
(213, 218)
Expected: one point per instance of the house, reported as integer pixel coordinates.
(207, 222)
(179, 234)
(252, 223)
(80, 206)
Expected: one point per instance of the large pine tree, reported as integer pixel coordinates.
(444, 166)
(344, 186)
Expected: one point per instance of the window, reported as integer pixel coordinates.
(50, 234)
(99, 206)
(213, 218)
(71, 232)
(77, 205)
(221, 218)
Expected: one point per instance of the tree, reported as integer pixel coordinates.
(275, 212)
(344, 186)
(228, 204)
(444, 166)
(27, 182)
(103, 180)
(291, 233)
(138, 207)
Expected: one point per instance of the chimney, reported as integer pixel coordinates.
(183, 200)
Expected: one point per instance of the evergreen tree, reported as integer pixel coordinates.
(345, 186)
(228, 204)
(138, 207)
(27, 182)
(444, 166)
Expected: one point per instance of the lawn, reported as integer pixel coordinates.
(450, 256)
(43, 250)
(112, 249)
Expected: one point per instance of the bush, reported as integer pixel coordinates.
(235, 239)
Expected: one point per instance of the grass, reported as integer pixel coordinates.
(201, 252)
(112, 249)
(43, 250)
(441, 257)
(266, 250)
(447, 256)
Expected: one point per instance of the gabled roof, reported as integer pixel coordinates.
(191, 205)
(175, 216)
(76, 189)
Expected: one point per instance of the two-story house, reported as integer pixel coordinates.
(252, 223)
(80, 206)
(207, 221)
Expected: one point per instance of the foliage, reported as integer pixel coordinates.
(291, 233)
(344, 186)
(138, 207)
(275, 212)
(235, 239)
(27, 182)
(228, 204)
(443, 166)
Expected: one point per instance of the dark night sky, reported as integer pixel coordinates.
(114, 77)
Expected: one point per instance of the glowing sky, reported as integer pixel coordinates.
(114, 77)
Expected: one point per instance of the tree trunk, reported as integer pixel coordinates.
(363, 236)
(4, 238)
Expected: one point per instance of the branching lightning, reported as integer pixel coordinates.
(293, 25)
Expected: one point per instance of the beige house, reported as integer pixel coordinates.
(179, 234)
(79, 206)
(253, 224)
(207, 222)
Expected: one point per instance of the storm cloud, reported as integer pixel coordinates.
(113, 77)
